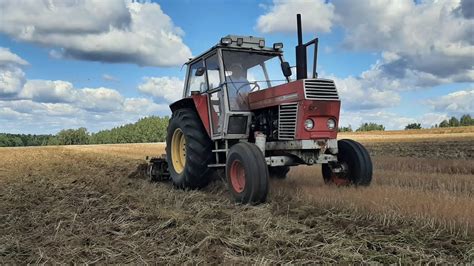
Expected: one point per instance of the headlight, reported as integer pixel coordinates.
(308, 124)
(331, 123)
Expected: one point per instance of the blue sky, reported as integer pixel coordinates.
(100, 64)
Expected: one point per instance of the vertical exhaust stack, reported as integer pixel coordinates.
(301, 64)
(301, 57)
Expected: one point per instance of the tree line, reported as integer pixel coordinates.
(15, 140)
(153, 129)
(148, 129)
(363, 127)
(464, 120)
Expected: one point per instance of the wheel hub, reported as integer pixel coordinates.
(178, 150)
(340, 174)
(237, 176)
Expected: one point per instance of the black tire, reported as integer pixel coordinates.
(357, 161)
(198, 154)
(249, 162)
(278, 172)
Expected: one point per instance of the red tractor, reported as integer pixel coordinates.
(241, 112)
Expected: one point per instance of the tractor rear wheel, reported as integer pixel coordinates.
(354, 163)
(278, 172)
(247, 173)
(189, 150)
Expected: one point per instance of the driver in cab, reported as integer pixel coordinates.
(238, 88)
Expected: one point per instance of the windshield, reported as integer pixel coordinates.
(247, 72)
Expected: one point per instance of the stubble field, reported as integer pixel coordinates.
(88, 204)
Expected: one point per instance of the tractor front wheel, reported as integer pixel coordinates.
(354, 166)
(247, 173)
(189, 150)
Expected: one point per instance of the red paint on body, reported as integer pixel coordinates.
(200, 101)
(285, 93)
(318, 110)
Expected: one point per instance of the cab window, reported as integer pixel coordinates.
(212, 66)
(196, 83)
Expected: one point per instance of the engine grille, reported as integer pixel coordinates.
(287, 114)
(320, 89)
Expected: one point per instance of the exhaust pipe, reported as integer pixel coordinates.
(301, 64)
(301, 58)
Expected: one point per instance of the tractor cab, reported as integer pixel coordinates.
(227, 74)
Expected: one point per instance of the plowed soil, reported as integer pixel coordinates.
(92, 204)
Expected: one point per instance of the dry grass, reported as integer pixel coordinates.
(427, 199)
(85, 204)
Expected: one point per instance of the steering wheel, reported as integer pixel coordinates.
(242, 97)
(253, 88)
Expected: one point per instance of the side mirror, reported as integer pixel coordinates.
(286, 69)
(200, 71)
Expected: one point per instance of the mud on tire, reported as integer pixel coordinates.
(193, 173)
(357, 160)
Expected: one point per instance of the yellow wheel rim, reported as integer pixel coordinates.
(178, 150)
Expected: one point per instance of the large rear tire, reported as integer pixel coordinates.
(278, 172)
(189, 150)
(247, 173)
(355, 162)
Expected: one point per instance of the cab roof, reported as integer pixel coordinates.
(240, 43)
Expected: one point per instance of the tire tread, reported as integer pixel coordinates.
(196, 174)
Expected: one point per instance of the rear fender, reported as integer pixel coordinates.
(199, 104)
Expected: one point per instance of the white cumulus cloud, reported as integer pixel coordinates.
(429, 43)
(422, 44)
(97, 30)
(48, 91)
(12, 76)
(168, 88)
(360, 93)
(99, 99)
(317, 16)
(430, 119)
(455, 103)
(58, 91)
(7, 57)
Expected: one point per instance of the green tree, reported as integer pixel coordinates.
(53, 141)
(413, 126)
(370, 127)
(345, 129)
(148, 129)
(453, 122)
(73, 136)
(4, 140)
(466, 120)
(444, 123)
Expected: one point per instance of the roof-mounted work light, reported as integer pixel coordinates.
(277, 45)
(226, 41)
(261, 43)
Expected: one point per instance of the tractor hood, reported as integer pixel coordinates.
(298, 101)
(299, 90)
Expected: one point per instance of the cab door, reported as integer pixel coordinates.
(215, 94)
